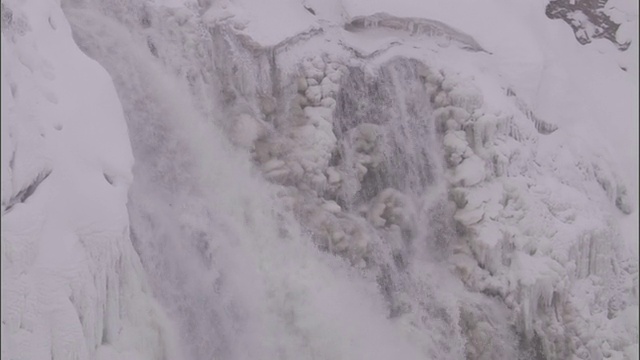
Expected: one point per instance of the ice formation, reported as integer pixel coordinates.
(367, 180)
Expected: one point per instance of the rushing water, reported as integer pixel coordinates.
(235, 271)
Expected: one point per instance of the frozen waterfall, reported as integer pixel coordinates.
(235, 272)
(316, 179)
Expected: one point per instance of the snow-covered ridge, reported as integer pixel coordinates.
(413, 26)
(72, 285)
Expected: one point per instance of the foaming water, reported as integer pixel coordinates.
(235, 273)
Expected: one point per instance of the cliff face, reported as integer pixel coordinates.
(316, 179)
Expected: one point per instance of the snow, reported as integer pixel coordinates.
(271, 142)
(516, 51)
(255, 18)
(65, 241)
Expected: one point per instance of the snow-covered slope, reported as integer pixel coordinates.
(72, 285)
(319, 179)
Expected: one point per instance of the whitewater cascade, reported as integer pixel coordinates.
(245, 282)
(352, 189)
